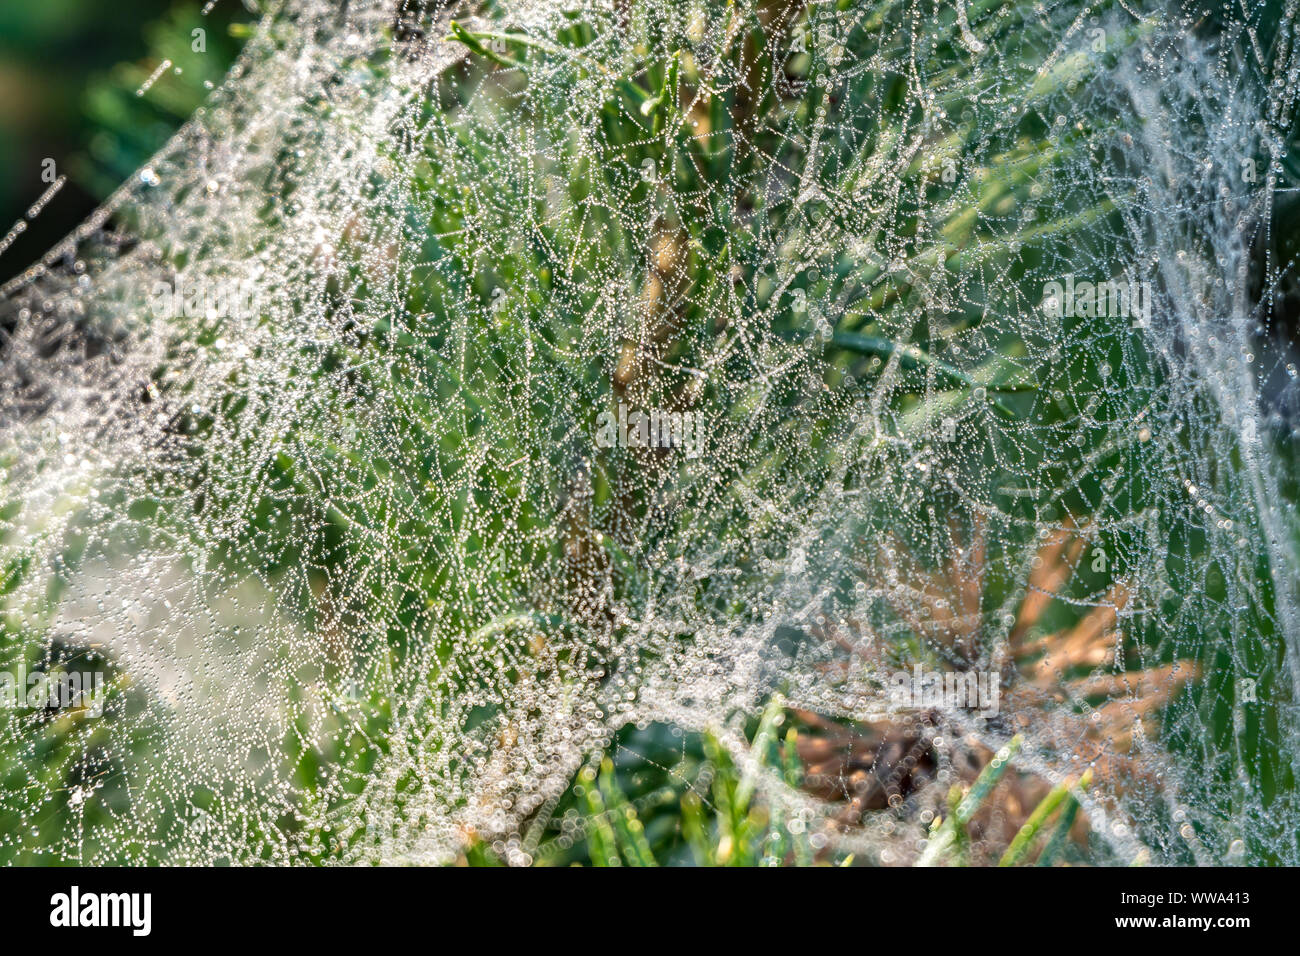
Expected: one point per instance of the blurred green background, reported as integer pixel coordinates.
(69, 70)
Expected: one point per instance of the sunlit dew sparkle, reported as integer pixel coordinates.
(565, 404)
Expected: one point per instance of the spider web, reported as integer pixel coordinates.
(366, 574)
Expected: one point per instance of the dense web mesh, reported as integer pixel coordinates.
(430, 410)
